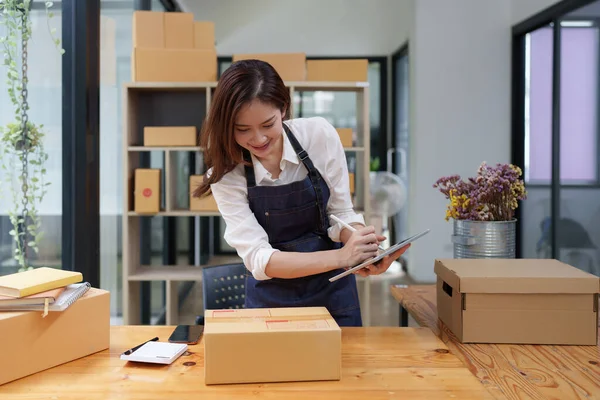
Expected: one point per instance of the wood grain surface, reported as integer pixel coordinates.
(512, 371)
(377, 363)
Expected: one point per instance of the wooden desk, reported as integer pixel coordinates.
(377, 363)
(512, 371)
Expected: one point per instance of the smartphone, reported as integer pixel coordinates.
(189, 334)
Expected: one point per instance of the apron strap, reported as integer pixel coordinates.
(249, 169)
(313, 173)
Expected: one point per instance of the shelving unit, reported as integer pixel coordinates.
(182, 104)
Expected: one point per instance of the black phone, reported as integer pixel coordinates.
(189, 334)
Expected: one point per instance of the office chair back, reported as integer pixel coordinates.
(223, 287)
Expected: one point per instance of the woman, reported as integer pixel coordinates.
(275, 184)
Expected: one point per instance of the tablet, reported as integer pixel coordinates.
(373, 260)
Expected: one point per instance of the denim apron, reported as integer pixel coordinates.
(295, 219)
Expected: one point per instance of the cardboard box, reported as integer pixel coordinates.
(174, 65)
(32, 344)
(170, 136)
(204, 35)
(147, 190)
(179, 30)
(148, 29)
(521, 301)
(337, 70)
(290, 66)
(271, 345)
(205, 203)
(345, 136)
(351, 178)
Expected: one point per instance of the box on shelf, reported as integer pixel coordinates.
(205, 203)
(204, 35)
(345, 136)
(147, 190)
(290, 66)
(351, 178)
(170, 136)
(349, 70)
(148, 29)
(271, 345)
(174, 65)
(179, 30)
(32, 344)
(520, 301)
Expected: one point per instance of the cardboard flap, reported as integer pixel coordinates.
(446, 274)
(516, 276)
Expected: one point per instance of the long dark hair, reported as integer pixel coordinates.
(242, 82)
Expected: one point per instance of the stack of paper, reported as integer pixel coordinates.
(41, 289)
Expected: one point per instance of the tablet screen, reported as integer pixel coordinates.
(373, 260)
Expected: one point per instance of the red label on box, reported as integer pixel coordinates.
(147, 192)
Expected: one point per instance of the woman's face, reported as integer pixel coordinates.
(258, 128)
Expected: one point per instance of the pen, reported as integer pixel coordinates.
(128, 352)
(350, 227)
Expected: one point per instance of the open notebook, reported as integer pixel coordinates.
(68, 296)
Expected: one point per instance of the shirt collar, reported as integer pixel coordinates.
(289, 155)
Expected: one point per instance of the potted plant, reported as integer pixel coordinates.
(482, 208)
(22, 154)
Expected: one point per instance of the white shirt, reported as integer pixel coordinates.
(243, 232)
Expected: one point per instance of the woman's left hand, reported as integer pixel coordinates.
(382, 265)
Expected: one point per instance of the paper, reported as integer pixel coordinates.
(157, 352)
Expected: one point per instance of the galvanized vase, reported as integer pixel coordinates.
(484, 239)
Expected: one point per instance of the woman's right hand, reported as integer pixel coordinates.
(362, 245)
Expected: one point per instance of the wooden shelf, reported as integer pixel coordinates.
(177, 272)
(297, 85)
(176, 213)
(164, 148)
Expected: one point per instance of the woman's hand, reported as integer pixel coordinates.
(382, 265)
(362, 245)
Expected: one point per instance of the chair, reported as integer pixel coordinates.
(223, 287)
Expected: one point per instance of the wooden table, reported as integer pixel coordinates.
(512, 371)
(377, 363)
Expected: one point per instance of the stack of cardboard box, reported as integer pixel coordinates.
(172, 47)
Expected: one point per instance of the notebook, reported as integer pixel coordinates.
(69, 295)
(157, 353)
(36, 280)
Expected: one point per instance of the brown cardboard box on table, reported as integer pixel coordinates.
(290, 66)
(345, 136)
(32, 344)
(170, 136)
(349, 70)
(520, 301)
(271, 345)
(205, 203)
(147, 190)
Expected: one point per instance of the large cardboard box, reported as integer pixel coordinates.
(345, 136)
(271, 345)
(179, 30)
(521, 301)
(204, 35)
(170, 136)
(147, 190)
(174, 65)
(205, 203)
(148, 29)
(290, 66)
(349, 70)
(32, 344)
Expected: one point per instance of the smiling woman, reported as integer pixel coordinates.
(276, 182)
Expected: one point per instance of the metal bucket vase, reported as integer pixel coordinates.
(484, 239)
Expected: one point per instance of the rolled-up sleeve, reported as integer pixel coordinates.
(242, 232)
(336, 175)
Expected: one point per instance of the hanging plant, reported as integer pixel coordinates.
(22, 153)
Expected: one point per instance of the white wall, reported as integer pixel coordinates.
(523, 9)
(316, 27)
(460, 109)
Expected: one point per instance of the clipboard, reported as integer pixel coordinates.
(373, 260)
(156, 352)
